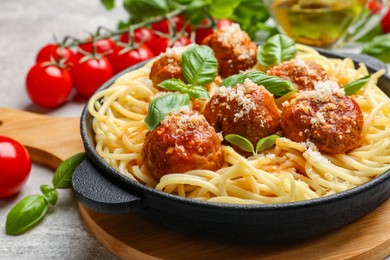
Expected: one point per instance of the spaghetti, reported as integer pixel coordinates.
(272, 177)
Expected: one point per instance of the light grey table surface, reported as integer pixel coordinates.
(25, 26)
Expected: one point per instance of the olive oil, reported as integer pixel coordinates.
(316, 23)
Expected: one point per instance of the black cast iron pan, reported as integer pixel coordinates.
(101, 188)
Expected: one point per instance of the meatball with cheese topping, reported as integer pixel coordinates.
(324, 116)
(233, 49)
(183, 141)
(303, 74)
(167, 66)
(247, 109)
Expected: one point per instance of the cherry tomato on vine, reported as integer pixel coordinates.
(161, 44)
(141, 35)
(90, 74)
(55, 51)
(203, 32)
(386, 23)
(177, 23)
(15, 166)
(106, 47)
(48, 85)
(126, 59)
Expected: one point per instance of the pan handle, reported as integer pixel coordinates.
(99, 194)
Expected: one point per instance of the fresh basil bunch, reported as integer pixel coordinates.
(251, 15)
(275, 85)
(378, 47)
(30, 210)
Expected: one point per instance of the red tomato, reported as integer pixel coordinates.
(161, 44)
(141, 35)
(106, 47)
(48, 85)
(223, 23)
(386, 23)
(58, 53)
(15, 166)
(126, 59)
(203, 32)
(177, 23)
(90, 74)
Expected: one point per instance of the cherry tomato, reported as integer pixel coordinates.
(223, 23)
(58, 53)
(203, 32)
(90, 74)
(15, 166)
(141, 35)
(48, 85)
(106, 47)
(386, 23)
(126, 59)
(161, 44)
(177, 23)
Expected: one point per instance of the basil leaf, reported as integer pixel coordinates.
(25, 214)
(378, 47)
(178, 85)
(163, 105)
(241, 142)
(62, 178)
(200, 67)
(275, 85)
(275, 50)
(146, 8)
(50, 194)
(266, 142)
(352, 87)
(108, 4)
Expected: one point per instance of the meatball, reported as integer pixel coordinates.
(167, 66)
(324, 116)
(233, 50)
(302, 74)
(183, 141)
(248, 110)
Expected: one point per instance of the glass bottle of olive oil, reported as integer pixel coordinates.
(315, 22)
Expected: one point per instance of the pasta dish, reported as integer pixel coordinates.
(326, 141)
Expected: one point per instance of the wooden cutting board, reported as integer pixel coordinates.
(50, 140)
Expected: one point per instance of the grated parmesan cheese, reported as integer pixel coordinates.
(323, 91)
(241, 95)
(175, 52)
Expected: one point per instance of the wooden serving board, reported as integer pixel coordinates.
(50, 140)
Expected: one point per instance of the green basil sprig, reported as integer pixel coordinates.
(200, 67)
(246, 145)
(178, 85)
(30, 211)
(274, 85)
(352, 87)
(275, 50)
(163, 105)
